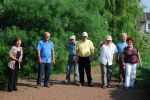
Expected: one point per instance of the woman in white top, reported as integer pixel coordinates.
(15, 58)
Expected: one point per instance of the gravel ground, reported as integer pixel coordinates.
(68, 91)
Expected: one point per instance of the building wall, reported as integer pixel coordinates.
(142, 27)
(148, 26)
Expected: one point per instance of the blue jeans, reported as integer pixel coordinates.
(72, 63)
(41, 68)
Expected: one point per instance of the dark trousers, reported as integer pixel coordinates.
(121, 71)
(13, 77)
(84, 63)
(41, 68)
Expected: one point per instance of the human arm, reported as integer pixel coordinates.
(117, 58)
(101, 43)
(139, 58)
(21, 56)
(123, 57)
(11, 54)
(53, 57)
(77, 52)
(123, 60)
(39, 52)
(39, 57)
(53, 54)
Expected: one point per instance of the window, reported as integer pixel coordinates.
(148, 26)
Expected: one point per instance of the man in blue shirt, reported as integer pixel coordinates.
(46, 56)
(120, 46)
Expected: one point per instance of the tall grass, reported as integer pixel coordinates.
(143, 74)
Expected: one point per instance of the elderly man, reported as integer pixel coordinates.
(45, 55)
(108, 49)
(72, 60)
(85, 50)
(120, 46)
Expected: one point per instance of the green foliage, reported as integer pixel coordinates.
(29, 19)
(3, 64)
(121, 16)
(143, 75)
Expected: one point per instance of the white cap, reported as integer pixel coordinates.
(85, 34)
(108, 37)
(72, 37)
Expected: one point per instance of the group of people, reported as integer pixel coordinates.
(126, 56)
(81, 53)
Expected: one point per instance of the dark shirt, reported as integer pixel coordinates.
(130, 55)
(18, 54)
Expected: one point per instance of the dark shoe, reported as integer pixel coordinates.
(15, 89)
(126, 88)
(104, 87)
(47, 86)
(81, 84)
(132, 87)
(76, 82)
(109, 86)
(9, 90)
(51, 84)
(90, 84)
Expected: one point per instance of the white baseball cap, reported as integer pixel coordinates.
(85, 34)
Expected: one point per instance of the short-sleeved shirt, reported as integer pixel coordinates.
(85, 48)
(106, 53)
(130, 55)
(46, 50)
(72, 48)
(120, 46)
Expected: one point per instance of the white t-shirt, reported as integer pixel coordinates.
(106, 53)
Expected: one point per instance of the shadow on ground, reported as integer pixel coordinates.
(131, 94)
(141, 90)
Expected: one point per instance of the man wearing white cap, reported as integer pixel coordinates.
(72, 60)
(108, 49)
(85, 50)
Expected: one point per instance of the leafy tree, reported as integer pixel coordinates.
(29, 19)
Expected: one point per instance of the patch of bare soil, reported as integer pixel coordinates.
(69, 91)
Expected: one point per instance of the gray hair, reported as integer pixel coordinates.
(45, 33)
(123, 34)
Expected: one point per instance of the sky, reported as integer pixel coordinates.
(146, 4)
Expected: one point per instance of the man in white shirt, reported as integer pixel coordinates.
(108, 49)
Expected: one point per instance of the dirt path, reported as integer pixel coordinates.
(63, 91)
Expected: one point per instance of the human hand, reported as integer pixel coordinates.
(40, 61)
(141, 65)
(91, 57)
(20, 60)
(53, 61)
(117, 61)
